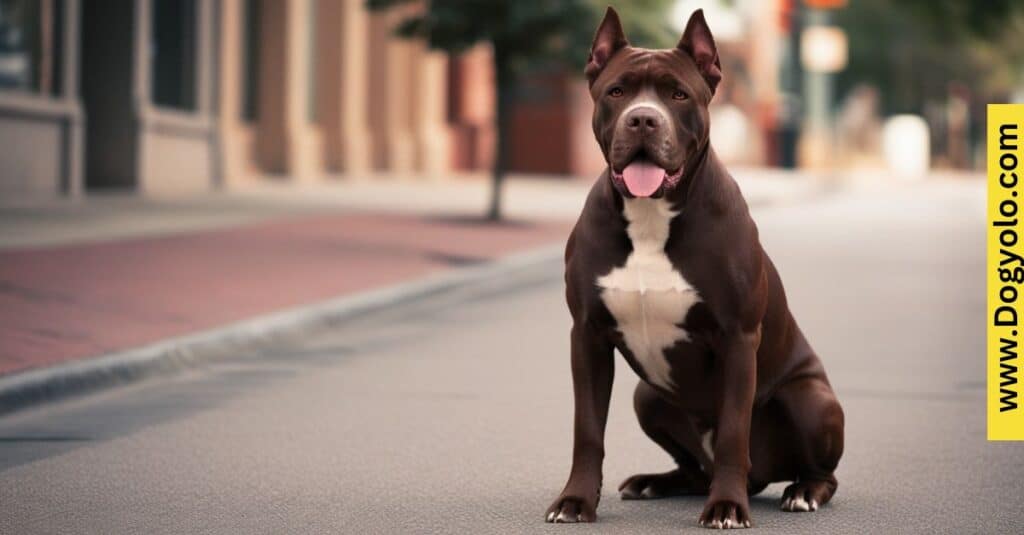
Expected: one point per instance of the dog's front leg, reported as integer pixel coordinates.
(727, 505)
(593, 369)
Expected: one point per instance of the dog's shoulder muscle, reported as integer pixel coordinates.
(597, 243)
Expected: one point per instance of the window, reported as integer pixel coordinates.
(311, 48)
(173, 53)
(30, 45)
(251, 60)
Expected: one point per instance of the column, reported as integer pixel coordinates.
(389, 105)
(429, 91)
(342, 100)
(287, 141)
(74, 184)
(231, 77)
(472, 127)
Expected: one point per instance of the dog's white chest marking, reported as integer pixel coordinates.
(647, 296)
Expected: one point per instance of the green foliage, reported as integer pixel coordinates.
(964, 18)
(645, 22)
(524, 35)
(912, 50)
(528, 32)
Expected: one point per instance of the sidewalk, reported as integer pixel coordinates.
(89, 278)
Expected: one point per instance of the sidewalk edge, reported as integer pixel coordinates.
(36, 386)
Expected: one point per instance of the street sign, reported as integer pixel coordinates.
(825, 4)
(823, 49)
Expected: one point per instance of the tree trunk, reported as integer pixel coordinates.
(504, 84)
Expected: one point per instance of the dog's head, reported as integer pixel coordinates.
(651, 106)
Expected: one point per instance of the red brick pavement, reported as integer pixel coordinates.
(76, 301)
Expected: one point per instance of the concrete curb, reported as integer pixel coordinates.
(32, 387)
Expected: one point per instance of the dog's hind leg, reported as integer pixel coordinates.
(673, 430)
(817, 421)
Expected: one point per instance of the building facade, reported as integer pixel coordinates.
(169, 96)
(41, 116)
(181, 96)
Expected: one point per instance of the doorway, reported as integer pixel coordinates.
(107, 43)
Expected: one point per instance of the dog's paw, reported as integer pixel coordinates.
(569, 510)
(725, 514)
(651, 486)
(804, 496)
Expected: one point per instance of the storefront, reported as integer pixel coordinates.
(164, 97)
(41, 124)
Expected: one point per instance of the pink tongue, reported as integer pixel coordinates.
(642, 178)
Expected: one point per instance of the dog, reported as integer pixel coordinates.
(665, 265)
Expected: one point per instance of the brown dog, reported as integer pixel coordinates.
(665, 265)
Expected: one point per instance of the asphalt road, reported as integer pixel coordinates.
(452, 414)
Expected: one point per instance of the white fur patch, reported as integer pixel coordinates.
(705, 443)
(649, 99)
(647, 296)
(797, 504)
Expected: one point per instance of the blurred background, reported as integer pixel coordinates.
(328, 234)
(184, 96)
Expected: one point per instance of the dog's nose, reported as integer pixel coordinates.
(644, 120)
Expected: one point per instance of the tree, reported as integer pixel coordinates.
(913, 50)
(523, 33)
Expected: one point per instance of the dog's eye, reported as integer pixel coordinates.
(615, 92)
(679, 94)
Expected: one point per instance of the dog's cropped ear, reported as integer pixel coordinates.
(608, 40)
(700, 45)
